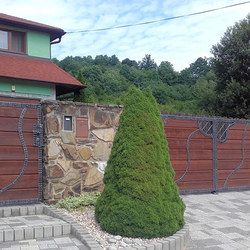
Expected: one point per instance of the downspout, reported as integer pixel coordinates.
(58, 41)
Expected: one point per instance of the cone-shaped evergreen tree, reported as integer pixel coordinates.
(140, 198)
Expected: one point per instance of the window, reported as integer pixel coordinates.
(12, 41)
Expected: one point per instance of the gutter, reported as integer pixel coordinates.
(58, 41)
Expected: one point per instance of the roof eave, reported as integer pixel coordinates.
(54, 32)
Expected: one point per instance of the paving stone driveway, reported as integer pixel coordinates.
(218, 221)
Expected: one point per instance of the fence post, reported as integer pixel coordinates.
(215, 175)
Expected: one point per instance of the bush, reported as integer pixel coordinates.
(140, 198)
(72, 202)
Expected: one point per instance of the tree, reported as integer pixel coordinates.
(140, 198)
(231, 65)
(130, 63)
(200, 67)
(81, 95)
(167, 73)
(186, 77)
(147, 63)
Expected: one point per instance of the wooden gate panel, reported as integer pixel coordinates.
(188, 148)
(208, 154)
(20, 159)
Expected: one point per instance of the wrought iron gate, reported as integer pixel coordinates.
(217, 153)
(21, 138)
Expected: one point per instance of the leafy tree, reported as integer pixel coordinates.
(140, 198)
(70, 65)
(147, 63)
(204, 92)
(82, 95)
(131, 63)
(186, 77)
(56, 61)
(167, 73)
(231, 65)
(200, 67)
(160, 94)
(113, 60)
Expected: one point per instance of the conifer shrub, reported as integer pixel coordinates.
(140, 198)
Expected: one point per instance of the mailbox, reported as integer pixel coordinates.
(82, 130)
(67, 123)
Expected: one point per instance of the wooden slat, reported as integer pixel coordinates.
(232, 154)
(193, 143)
(13, 139)
(11, 124)
(237, 135)
(15, 167)
(235, 183)
(195, 185)
(238, 126)
(17, 153)
(200, 165)
(232, 164)
(27, 181)
(179, 133)
(16, 112)
(233, 144)
(194, 155)
(192, 176)
(181, 123)
(19, 194)
(239, 174)
(5, 99)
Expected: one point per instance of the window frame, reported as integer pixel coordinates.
(10, 41)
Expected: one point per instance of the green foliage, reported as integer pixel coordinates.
(140, 198)
(231, 66)
(85, 199)
(167, 73)
(82, 95)
(108, 80)
(147, 63)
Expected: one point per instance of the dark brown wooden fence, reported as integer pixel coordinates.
(20, 159)
(208, 154)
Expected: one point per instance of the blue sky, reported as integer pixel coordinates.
(179, 41)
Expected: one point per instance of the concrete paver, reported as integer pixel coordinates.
(51, 243)
(218, 221)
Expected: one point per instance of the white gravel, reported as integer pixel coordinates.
(107, 241)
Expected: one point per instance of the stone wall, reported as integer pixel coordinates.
(75, 159)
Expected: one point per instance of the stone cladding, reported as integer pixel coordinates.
(73, 164)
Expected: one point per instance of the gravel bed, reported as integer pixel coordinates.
(107, 241)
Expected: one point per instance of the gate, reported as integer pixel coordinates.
(208, 154)
(21, 137)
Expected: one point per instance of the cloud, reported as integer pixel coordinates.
(179, 41)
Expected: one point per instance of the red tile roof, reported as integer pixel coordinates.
(26, 24)
(36, 69)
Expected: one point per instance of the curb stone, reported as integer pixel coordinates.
(178, 241)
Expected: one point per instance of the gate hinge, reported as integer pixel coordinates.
(38, 135)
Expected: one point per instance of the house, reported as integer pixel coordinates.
(26, 68)
(27, 77)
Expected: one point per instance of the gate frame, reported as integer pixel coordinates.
(38, 142)
(214, 121)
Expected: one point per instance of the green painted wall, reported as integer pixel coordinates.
(25, 87)
(38, 44)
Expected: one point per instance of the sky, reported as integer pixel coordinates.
(179, 41)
